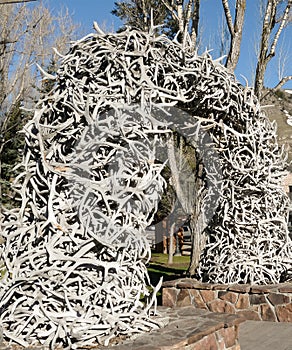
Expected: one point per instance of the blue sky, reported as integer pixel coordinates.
(87, 11)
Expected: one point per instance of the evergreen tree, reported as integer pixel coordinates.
(12, 141)
(169, 17)
(48, 84)
(137, 14)
(12, 144)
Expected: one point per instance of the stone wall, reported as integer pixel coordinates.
(261, 303)
(188, 328)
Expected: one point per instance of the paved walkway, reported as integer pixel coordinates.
(256, 335)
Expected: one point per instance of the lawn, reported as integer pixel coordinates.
(159, 267)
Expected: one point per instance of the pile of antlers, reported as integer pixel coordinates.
(74, 254)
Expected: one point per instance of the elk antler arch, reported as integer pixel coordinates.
(74, 254)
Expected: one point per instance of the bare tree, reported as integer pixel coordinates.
(27, 36)
(283, 60)
(182, 17)
(186, 16)
(178, 16)
(235, 28)
(223, 37)
(275, 19)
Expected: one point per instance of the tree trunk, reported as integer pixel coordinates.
(235, 31)
(197, 224)
(4, 2)
(170, 249)
(191, 200)
(267, 51)
(180, 15)
(145, 15)
(198, 243)
(268, 24)
(195, 24)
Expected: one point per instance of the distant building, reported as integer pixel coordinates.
(288, 184)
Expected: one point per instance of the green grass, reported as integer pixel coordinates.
(159, 267)
(162, 259)
(2, 271)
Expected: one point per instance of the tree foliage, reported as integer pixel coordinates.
(13, 145)
(140, 14)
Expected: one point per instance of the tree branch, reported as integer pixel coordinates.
(228, 16)
(7, 41)
(236, 37)
(188, 13)
(263, 59)
(277, 35)
(278, 86)
(13, 1)
(171, 9)
(180, 15)
(195, 23)
(282, 82)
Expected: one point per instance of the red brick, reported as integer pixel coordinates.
(220, 341)
(256, 299)
(169, 284)
(183, 298)
(207, 343)
(185, 285)
(240, 288)
(263, 289)
(235, 347)
(220, 286)
(201, 285)
(286, 288)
